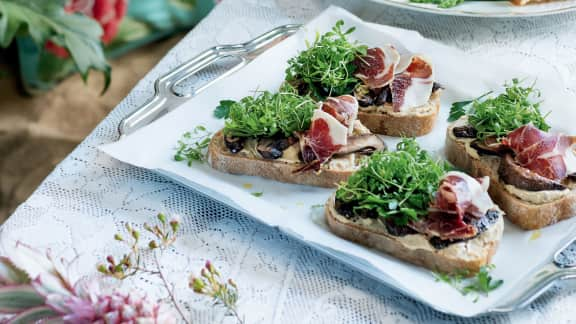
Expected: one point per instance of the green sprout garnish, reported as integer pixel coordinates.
(396, 185)
(326, 67)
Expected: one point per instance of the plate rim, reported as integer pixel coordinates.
(467, 13)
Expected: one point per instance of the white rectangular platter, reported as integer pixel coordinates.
(294, 208)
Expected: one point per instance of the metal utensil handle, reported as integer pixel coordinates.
(540, 283)
(165, 98)
(541, 280)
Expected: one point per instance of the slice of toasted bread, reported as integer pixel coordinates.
(523, 213)
(468, 255)
(220, 158)
(416, 122)
(525, 2)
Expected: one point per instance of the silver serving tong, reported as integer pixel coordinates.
(562, 267)
(166, 93)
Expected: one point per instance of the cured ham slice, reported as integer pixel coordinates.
(343, 108)
(332, 124)
(458, 196)
(541, 152)
(324, 138)
(376, 69)
(463, 194)
(413, 83)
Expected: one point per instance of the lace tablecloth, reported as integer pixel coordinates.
(89, 196)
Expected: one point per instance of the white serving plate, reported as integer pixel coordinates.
(488, 9)
(293, 208)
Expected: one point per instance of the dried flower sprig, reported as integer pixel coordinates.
(164, 235)
(129, 264)
(165, 232)
(223, 293)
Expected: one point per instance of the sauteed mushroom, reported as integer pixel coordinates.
(365, 144)
(513, 174)
(273, 148)
(234, 144)
(490, 146)
(466, 131)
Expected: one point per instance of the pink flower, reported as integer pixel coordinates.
(88, 305)
(108, 13)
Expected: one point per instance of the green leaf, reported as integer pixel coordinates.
(257, 194)
(33, 315)
(481, 284)
(47, 20)
(326, 67)
(268, 114)
(458, 109)
(500, 115)
(192, 146)
(395, 185)
(184, 4)
(130, 30)
(223, 109)
(51, 67)
(441, 3)
(461, 108)
(10, 274)
(14, 299)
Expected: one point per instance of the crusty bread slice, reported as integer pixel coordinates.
(468, 255)
(525, 2)
(525, 214)
(220, 158)
(383, 120)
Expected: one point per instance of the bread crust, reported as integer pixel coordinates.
(457, 257)
(525, 2)
(407, 125)
(525, 214)
(220, 158)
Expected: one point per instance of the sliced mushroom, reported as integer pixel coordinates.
(513, 174)
(365, 99)
(466, 131)
(490, 146)
(364, 144)
(234, 144)
(273, 148)
(368, 97)
(364, 96)
(398, 230)
(437, 86)
(382, 96)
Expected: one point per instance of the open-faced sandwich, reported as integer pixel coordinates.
(397, 94)
(406, 204)
(532, 171)
(292, 138)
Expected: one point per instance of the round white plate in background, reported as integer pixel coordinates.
(503, 9)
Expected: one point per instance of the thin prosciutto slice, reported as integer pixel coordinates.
(331, 125)
(376, 69)
(458, 195)
(325, 137)
(541, 152)
(343, 108)
(413, 83)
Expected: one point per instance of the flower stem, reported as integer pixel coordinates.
(235, 313)
(169, 290)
